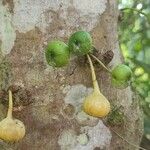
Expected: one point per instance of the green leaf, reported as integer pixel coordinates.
(138, 46)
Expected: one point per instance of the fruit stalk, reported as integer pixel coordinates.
(95, 83)
(10, 108)
(95, 104)
(101, 63)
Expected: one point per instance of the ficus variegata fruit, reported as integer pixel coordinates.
(120, 76)
(57, 54)
(80, 43)
(11, 130)
(122, 72)
(96, 104)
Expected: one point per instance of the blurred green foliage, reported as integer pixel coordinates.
(134, 38)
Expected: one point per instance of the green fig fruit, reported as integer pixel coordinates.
(80, 43)
(120, 76)
(57, 54)
(121, 72)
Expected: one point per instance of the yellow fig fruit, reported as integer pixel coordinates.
(96, 104)
(11, 130)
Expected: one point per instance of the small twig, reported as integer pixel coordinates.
(113, 110)
(128, 141)
(100, 63)
(138, 11)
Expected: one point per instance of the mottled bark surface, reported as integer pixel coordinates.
(49, 100)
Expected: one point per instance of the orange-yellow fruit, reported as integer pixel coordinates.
(96, 105)
(11, 130)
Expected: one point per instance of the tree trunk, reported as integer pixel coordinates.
(49, 100)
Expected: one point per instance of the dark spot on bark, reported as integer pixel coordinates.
(60, 27)
(10, 4)
(69, 111)
(105, 58)
(97, 148)
(61, 5)
(120, 16)
(108, 56)
(21, 96)
(105, 36)
(95, 50)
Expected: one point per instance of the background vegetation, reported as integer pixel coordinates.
(134, 38)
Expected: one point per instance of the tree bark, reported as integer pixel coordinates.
(49, 100)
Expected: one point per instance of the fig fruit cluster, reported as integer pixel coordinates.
(58, 53)
(80, 44)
